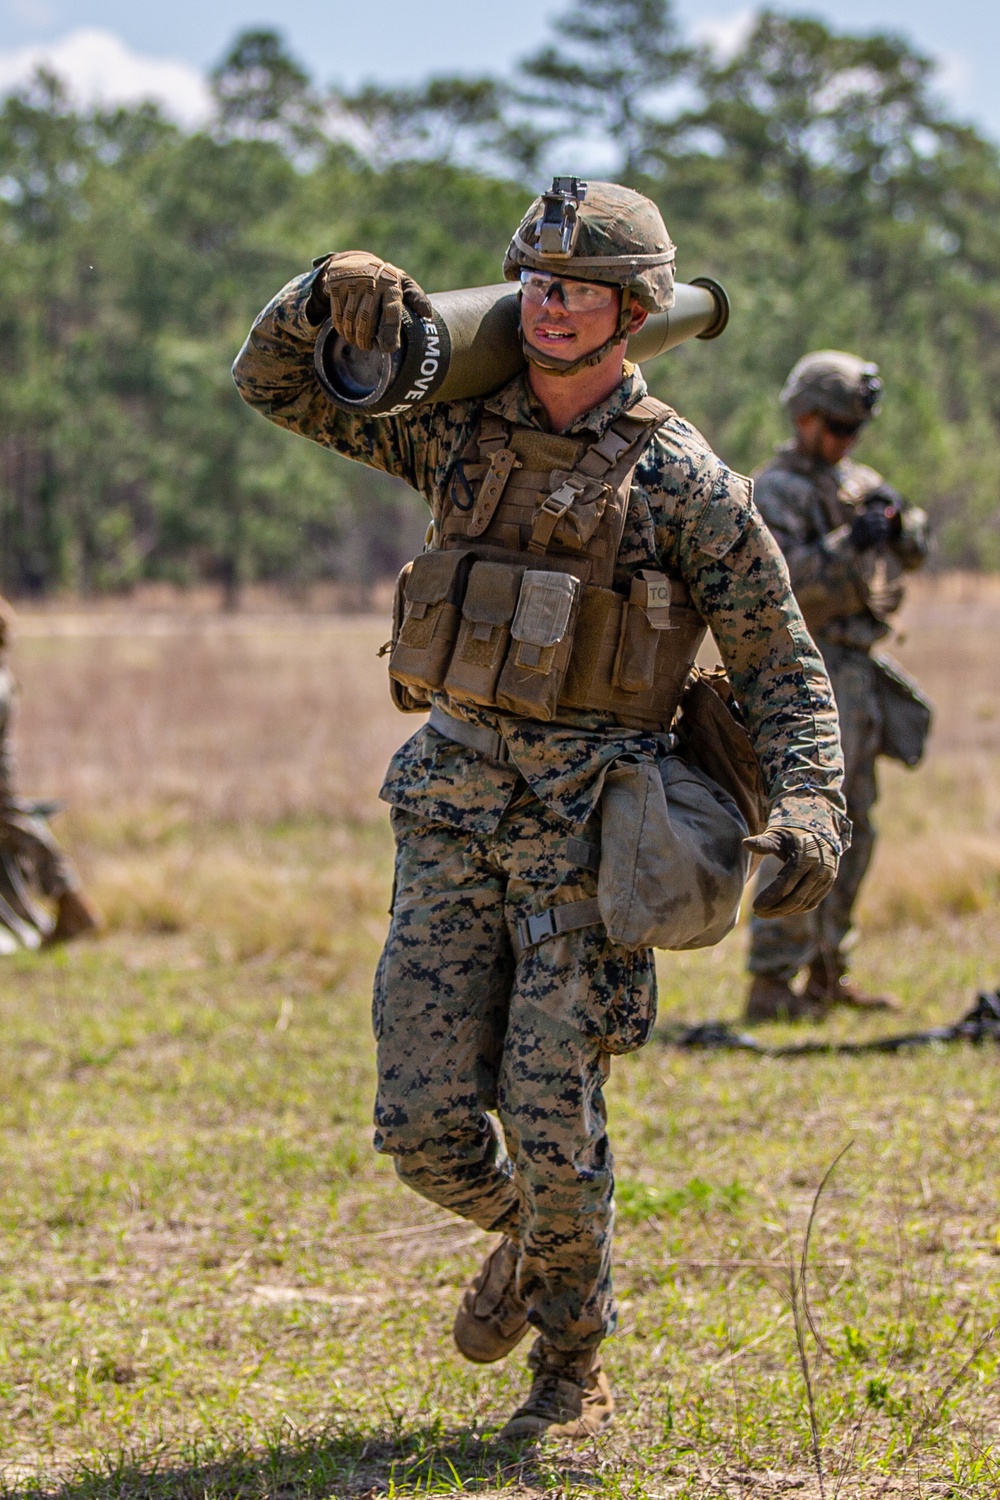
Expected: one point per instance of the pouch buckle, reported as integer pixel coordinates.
(535, 929)
(560, 500)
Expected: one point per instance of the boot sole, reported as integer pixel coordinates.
(536, 1427)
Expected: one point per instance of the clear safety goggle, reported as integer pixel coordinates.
(841, 429)
(575, 296)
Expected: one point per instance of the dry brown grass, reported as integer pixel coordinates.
(158, 725)
(244, 718)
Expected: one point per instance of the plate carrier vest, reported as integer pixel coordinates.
(514, 609)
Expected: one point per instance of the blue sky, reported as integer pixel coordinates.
(118, 45)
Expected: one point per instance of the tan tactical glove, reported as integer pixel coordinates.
(367, 297)
(809, 870)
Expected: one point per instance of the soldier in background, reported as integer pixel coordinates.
(848, 538)
(31, 861)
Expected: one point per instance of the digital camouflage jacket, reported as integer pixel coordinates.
(689, 516)
(845, 596)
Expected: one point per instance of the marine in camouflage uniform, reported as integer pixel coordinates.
(470, 1015)
(848, 539)
(31, 861)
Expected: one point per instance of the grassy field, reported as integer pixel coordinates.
(211, 1287)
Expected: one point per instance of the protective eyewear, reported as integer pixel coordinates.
(576, 296)
(842, 429)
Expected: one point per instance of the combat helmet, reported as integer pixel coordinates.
(596, 231)
(836, 384)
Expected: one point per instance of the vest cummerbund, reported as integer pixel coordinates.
(531, 641)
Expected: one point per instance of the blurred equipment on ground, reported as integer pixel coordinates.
(41, 902)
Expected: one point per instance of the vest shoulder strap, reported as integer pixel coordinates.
(650, 410)
(493, 433)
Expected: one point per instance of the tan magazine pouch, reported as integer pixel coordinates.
(541, 644)
(407, 700)
(646, 613)
(432, 596)
(491, 598)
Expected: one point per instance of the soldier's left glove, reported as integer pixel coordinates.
(367, 297)
(809, 870)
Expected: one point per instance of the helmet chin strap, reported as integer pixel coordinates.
(556, 366)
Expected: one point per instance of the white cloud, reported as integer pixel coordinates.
(98, 68)
(725, 36)
(955, 76)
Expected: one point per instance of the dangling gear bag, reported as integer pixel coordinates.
(673, 865)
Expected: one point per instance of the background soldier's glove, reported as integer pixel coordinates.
(367, 297)
(810, 868)
(881, 520)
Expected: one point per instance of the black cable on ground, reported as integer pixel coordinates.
(981, 1024)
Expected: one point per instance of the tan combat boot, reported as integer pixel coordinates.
(570, 1396)
(771, 999)
(491, 1317)
(74, 918)
(829, 985)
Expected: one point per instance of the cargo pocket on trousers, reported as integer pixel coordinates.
(631, 1012)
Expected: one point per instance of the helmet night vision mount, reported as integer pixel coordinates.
(559, 225)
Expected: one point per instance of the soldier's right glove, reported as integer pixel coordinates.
(881, 520)
(808, 872)
(367, 297)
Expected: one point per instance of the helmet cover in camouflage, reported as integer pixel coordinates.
(597, 231)
(836, 384)
(613, 235)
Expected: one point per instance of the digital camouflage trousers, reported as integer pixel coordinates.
(466, 1022)
(785, 945)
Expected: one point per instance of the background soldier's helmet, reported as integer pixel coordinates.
(597, 231)
(838, 385)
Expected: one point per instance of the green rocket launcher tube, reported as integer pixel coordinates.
(472, 346)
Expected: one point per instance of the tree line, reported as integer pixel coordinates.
(815, 173)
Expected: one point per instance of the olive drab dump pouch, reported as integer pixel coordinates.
(906, 713)
(673, 866)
